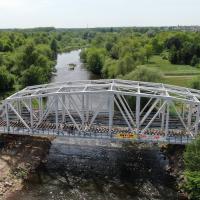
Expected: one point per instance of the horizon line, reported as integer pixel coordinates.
(96, 27)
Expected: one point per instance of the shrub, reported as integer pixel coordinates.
(143, 73)
(192, 169)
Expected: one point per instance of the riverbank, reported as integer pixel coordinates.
(19, 157)
(88, 169)
(174, 154)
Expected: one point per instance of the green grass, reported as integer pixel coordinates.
(169, 69)
(184, 81)
(181, 75)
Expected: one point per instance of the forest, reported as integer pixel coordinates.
(28, 56)
(171, 57)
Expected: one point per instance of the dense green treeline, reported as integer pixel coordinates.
(27, 57)
(131, 54)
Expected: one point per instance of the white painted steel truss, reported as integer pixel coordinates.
(156, 106)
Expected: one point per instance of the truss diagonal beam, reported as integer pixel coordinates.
(69, 114)
(96, 113)
(182, 121)
(149, 111)
(154, 117)
(20, 118)
(126, 110)
(75, 106)
(29, 109)
(45, 114)
(148, 103)
(129, 109)
(123, 114)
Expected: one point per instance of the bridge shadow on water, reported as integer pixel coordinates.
(118, 171)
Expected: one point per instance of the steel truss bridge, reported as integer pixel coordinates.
(107, 109)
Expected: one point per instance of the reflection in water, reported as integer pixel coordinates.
(80, 169)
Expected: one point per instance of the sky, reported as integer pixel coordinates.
(98, 13)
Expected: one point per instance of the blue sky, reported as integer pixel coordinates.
(98, 13)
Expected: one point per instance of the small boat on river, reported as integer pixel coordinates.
(72, 66)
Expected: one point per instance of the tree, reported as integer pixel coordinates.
(110, 68)
(115, 52)
(1, 59)
(195, 60)
(108, 46)
(125, 65)
(95, 61)
(6, 79)
(157, 46)
(29, 55)
(174, 42)
(32, 76)
(173, 56)
(54, 48)
(148, 51)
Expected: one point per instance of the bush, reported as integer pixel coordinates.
(196, 83)
(125, 65)
(143, 73)
(192, 169)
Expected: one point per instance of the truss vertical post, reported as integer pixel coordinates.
(138, 113)
(160, 104)
(40, 107)
(63, 109)
(69, 101)
(31, 114)
(163, 119)
(7, 118)
(87, 108)
(189, 116)
(83, 109)
(183, 110)
(111, 112)
(167, 120)
(19, 107)
(197, 120)
(56, 112)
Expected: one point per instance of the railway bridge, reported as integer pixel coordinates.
(107, 109)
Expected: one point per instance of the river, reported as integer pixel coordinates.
(97, 170)
(64, 73)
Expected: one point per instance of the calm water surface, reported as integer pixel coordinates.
(91, 169)
(64, 73)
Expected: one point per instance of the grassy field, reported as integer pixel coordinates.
(181, 75)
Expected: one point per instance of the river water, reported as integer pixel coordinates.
(64, 73)
(93, 169)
